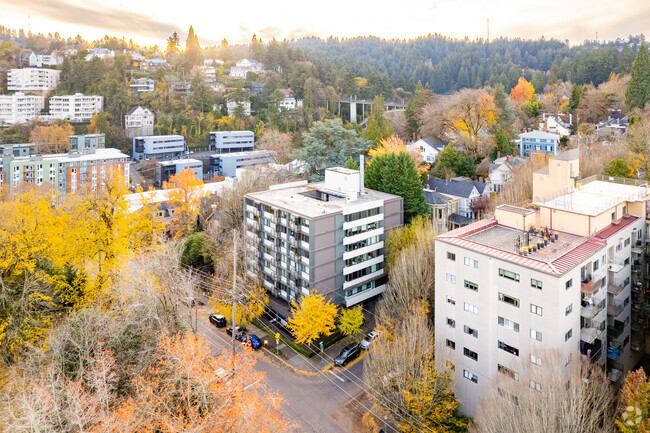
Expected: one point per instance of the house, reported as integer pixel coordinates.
(325, 237)
(257, 88)
(245, 66)
(441, 207)
(181, 87)
(100, 53)
(465, 193)
(613, 127)
(154, 64)
(40, 60)
(428, 147)
(555, 125)
(232, 106)
(33, 79)
(231, 141)
(563, 276)
(538, 142)
(20, 108)
(213, 62)
(76, 108)
(208, 73)
(139, 121)
(501, 171)
(141, 85)
(158, 146)
(289, 101)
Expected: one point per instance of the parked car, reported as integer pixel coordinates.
(349, 352)
(365, 343)
(240, 333)
(190, 302)
(218, 320)
(253, 341)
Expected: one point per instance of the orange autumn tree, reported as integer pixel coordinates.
(635, 399)
(53, 138)
(185, 192)
(394, 144)
(523, 91)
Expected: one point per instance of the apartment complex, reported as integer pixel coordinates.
(20, 108)
(68, 172)
(138, 122)
(226, 164)
(167, 169)
(32, 79)
(87, 142)
(76, 108)
(158, 146)
(326, 237)
(231, 141)
(565, 274)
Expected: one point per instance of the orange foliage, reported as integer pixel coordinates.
(523, 91)
(394, 144)
(185, 194)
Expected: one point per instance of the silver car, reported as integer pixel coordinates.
(365, 343)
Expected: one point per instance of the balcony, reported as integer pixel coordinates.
(590, 287)
(592, 351)
(614, 308)
(616, 287)
(638, 249)
(590, 334)
(614, 371)
(614, 352)
(614, 266)
(638, 345)
(616, 330)
(590, 311)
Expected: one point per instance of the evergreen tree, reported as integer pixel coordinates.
(574, 99)
(504, 120)
(452, 162)
(378, 127)
(396, 173)
(637, 94)
(421, 97)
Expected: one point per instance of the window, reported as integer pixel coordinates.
(627, 262)
(470, 376)
(568, 284)
(627, 242)
(535, 385)
(508, 348)
(568, 309)
(509, 300)
(626, 301)
(451, 300)
(471, 331)
(595, 266)
(451, 344)
(535, 283)
(509, 275)
(535, 360)
(471, 308)
(471, 262)
(613, 215)
(509, 324)
(470, 354)
(535, 335)
(568, 335)
(451, 322)
(451, 278)
(451, 256)
(508, 372)
(535, 309)
(471, 286)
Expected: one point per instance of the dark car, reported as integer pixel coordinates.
(349, 352)
(253, 340)
(239, 333)
(218, 320)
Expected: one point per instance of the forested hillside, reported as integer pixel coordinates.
(450, 64)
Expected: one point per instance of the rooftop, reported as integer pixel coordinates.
(98, 154)
(596, 197)
(540, 134)
(180, 161)
(244, 154)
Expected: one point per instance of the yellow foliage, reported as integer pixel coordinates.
(361, 82)
(311, 318)
(394, 144)
(185, 194)
(256, 301)
(351, 320)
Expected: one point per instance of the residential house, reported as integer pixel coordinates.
(20, 108)
(441, 208)
(76, 108)
(245, 66)
(501, 170)
(538, 142)
(464, 192)
(40, 60)
(257, 88)
(429, 148)
(233, 105)
(154, 64)
(101, 53)
(141, 85)
(289, 101)
(613, 127)
(139, 121)
(555, 125)
(32, 79)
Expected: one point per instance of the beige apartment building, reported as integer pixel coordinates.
(565, 273)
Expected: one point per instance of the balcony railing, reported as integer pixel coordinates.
(589, 287)
(591, 310)
(614, 371)
(614, 266)
(616, 330)
(614, 308)
(615, 287)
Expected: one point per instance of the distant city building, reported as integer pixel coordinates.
(100, 53)
(20, 108)
(167, 169)
(139, 121)
(614, 126)
(141, 85)
(289, 101)
(226, 164)
(158, 146)
(231, 141)
(245, 66)
(87, 142)
(76, 108)
(40, 60)
(32, 79)
(538, 142)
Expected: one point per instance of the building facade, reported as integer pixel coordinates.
(76, 108)
(20, 108)
(233, 106)
(158, 146)
(245, 66)
(232, 141)
(226, 164)
(88, 142)
(167, 169)
(32, 79)
(40, 60)
(538, 142)
(139, 121)
(326, 237)
(141, 85)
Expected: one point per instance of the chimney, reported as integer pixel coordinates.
(570, 119)
(361, 174)
(498, 154)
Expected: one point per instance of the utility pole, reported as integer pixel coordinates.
(234, 295)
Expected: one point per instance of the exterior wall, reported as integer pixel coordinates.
(514, 219)
(32, 79)
(559, 179)
(227, 164)
(527, 146)
(139, 123)
(232, 107)
(77, 107)
(232, 141)
(158, 146)
(20, 108)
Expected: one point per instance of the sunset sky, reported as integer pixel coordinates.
(152, 21)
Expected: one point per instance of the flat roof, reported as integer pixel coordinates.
(245, 153)
(65, 157)
(137, 200)
(298, 199)
(180, 161)
(596, 197)
(515, 209)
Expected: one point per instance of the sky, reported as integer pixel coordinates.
(150, 22)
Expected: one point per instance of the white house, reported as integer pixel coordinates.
(20, 108)
(428, 147)
(556, 125)
(141, 85)
(232, 106)
(76, 108)
(32, 79)
(501, 171)
(245, 66)
(289, 101)
(139, 121)
(40, 60)
(101, 53)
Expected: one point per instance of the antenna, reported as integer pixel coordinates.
(488, 29)
(29, 24)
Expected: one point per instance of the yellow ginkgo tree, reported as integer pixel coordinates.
(312, 317)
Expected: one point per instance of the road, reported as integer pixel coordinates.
(328, 402)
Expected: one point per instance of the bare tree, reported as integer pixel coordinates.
(575, 398)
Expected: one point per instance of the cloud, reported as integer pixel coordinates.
(301, 33)
(107, 19)
(269, 32)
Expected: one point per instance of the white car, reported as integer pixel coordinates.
(365, 343)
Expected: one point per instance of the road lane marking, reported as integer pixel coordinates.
(337, 376)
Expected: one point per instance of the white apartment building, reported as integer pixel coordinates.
(245, 66)
(20, 108)
(32, 79)
(101, 53)
(76, 108)
(158, 146)
(565, 275)
(232, 141)
(139, 121)
(326, 237)
(232, 105)
(40, 60)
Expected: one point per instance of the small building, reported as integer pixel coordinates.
(20, 108)
(158, 146)
(441, 208)
(555, 125)
(231, 141)
(226, 164)
(464, 192)
(87, 142)
(100, 53)
(613, 127)
(257, 88)
(154, 64)
(538, 142)
(501, 170)
(139, 121)
(428, 147)
(141, 85)
(76, 108)
(232, 106)
(167, 169)
(40, 60)
(245, 66)
(289, 101)
(33, 79)
(181, 88)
